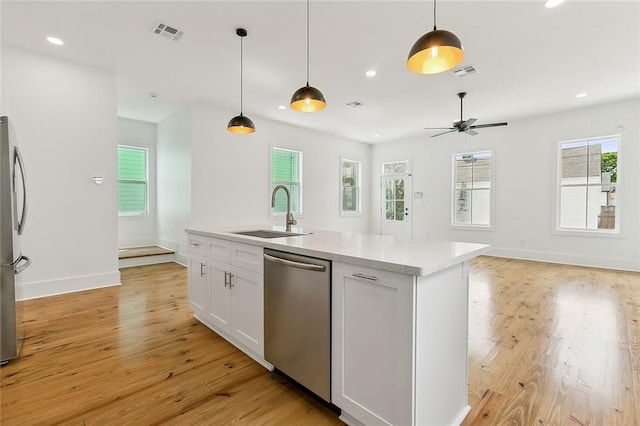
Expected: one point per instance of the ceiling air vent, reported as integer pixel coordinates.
(355, 104)
(167, 31)
(466, 70)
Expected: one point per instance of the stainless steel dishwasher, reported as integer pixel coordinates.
(297, 318)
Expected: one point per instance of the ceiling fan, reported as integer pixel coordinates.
(466, 126)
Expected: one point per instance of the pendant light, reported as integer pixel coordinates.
(308, 98)
(436, 51)
(241, 124)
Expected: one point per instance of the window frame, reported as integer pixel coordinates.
(357, 186)
(146, 181)
(586, 232)
(491, 189)
(272, 184)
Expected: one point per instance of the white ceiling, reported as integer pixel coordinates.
(531, 60)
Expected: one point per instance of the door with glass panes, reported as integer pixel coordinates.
(396, 204)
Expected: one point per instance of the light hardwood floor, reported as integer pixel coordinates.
(549, 345)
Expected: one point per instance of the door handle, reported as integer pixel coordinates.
(307, 266)
(365, 276)
(227, 280)
(17, 158)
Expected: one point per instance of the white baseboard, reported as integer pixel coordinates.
(567, 259)
(145, 260)
(170, 245)
(146, 242)
(181, 259)
(34, 290)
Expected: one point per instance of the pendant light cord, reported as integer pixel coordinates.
(241, 68)
(307, 42)
(434, 15)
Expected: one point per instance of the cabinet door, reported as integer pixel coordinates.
(197, 284)
(248, 309)
(372, 344)
(219, 295)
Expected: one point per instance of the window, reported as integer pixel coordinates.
(132, 181)
(472, 176)
(350, 187)
(395, 168)
(588, 181)
(286, 169)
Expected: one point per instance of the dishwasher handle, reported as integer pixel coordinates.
(307, 266)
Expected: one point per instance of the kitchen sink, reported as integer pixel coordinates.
(266, 233)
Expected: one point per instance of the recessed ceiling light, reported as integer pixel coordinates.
(581, 95)
(376, 135)
(282, 107)
(55, 40)
(370, 73)
(553, 3)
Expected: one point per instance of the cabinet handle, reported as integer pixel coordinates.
(366, 277)
(227, 279)
(195, 243)
(231, 285)
(201, 269)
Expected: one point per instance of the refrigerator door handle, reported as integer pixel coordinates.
(17, 158)
(17, 267)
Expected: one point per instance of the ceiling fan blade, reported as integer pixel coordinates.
(448, 131)
(469, 122)
(471, 132)
(480, 126)
(439, 128)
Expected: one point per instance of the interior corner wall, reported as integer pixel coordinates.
(174, 182)
(231, 176)
(64, 116)
(140, 230)
(525, 167)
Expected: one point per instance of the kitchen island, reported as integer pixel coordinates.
(399, 315)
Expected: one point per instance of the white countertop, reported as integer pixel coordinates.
(387, 252)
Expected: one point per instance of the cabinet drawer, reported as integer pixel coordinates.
(247, 256)
(196, 244)
(219, 249)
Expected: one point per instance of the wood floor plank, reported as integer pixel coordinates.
(548, 345)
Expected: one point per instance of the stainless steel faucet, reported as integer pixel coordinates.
(290, 219)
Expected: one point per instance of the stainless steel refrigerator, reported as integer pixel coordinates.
(13, 214)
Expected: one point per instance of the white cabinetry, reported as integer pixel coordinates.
(231, 302)
(197, 282)
(395, 361)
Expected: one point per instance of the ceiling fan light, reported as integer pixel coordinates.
(308, 99)
(435, 52)
(241, 125)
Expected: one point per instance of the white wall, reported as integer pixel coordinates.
(174, 182)
(525, 161)
(231, 177)
(140, 230)
(65, 123)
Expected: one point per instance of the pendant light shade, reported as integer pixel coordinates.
(436, 51)
(308, 98)
(241, 124)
